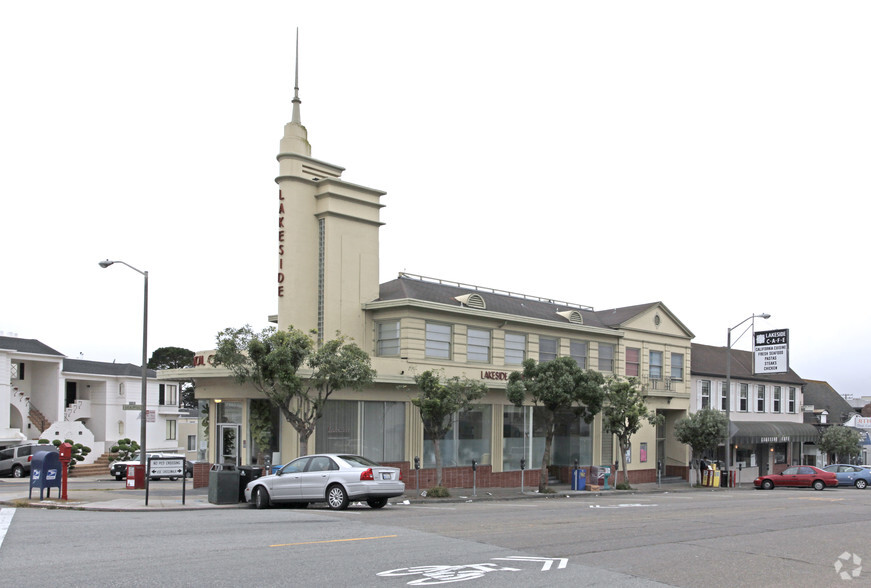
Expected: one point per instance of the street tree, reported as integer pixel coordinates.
(558, 386)
(624, 413)
(293, 373)
(842, 441)
(703, 431)
(171, 358)
(437, 403)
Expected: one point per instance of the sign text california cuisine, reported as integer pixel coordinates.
(771, 352)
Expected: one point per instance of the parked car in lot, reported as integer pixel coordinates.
(332, 478)
(850, 475)
(119, 468)
(798, 477)
(15, 461)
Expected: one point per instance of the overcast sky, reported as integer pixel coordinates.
(712, 156)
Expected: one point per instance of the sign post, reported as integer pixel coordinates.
(165, 467)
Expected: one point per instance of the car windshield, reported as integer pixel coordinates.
(358, 461)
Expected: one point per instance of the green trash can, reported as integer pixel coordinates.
(223, 484)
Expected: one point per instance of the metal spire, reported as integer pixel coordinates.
(296, 100)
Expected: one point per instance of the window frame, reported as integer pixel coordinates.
(488, 347)
(635, 371)
(777, 400)
(760, 398)
(520, 338)
(573, 344)
(704, 394)
(679, 366)
(429, 350)
(609, 360)
(657, 373)
(743, 397)
(171, 429)
(380, 339)
(724, 397)
(555, 341)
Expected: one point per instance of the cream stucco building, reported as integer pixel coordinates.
(327, 280)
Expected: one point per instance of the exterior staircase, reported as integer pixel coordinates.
(38, 419)
(100, 467)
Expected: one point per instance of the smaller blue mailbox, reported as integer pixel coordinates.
(45, 473)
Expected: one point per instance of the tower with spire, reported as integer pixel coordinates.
(327, 238)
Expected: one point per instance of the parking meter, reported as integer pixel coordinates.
(522, 463)
(522, 467)
(417, 472)
(416, 463)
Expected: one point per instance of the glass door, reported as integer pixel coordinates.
(228, 444)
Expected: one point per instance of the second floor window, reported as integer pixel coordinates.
(478, 345)
(633, 362)
(760, 398)
(724, 397)
(606, 357)
(515, 348)
(578, 352)
(438, 340)
(656, 365)
(547, 348)
(170, 430)
(743, 401)
(791, 401)
(706, 395)
(677, 366)
(776, 407)
(387, 338)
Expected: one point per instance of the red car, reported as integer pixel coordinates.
(799, 477)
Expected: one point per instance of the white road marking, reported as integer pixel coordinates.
(6, 515)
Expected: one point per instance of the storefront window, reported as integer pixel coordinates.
(468, 439)
(264, 424)
(571, 442)
(373, 429)
(229, 413)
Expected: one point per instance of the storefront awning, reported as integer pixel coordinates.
(774, 432)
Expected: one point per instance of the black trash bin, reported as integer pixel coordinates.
(223, 484)
(247, 474)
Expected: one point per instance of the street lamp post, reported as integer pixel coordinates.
(728, 460)
(142, 413)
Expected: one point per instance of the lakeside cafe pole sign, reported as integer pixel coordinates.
(771, 352)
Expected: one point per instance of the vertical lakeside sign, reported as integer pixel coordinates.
(771, 352)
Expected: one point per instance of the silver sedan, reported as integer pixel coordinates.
(333, 478)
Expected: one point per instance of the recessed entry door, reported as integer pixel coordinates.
(228, 444)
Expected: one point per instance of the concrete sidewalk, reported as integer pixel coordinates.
(106, 494)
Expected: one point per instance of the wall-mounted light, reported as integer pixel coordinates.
(217, 401)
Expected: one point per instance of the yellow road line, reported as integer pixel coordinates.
(333, 541)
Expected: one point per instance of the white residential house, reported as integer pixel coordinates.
(44, 394)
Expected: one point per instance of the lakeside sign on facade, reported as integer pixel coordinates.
(771, 352)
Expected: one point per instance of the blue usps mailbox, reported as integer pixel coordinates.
(45, 473)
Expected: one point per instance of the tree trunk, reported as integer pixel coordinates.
(303, 443)
(438, 459)
(623, 448)
(545, 459)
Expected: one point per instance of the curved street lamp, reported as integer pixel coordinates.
(142, 414)
(727, 461)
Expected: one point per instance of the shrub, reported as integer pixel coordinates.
(438, 492)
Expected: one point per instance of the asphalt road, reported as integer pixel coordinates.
(694, 538)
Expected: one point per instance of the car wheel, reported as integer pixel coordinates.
(173, 479)
(376, 502)
(819, 485)
(119, 477)
(337, 498)
(261, 498)
(17, 471)
(861, 484)
(767, 485)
